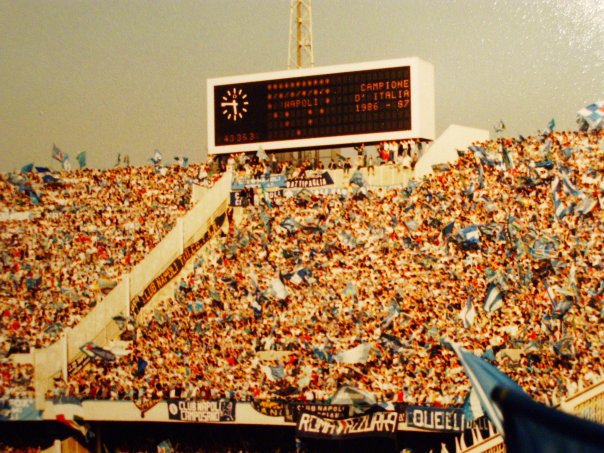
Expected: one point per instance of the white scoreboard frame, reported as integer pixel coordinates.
(422, 107)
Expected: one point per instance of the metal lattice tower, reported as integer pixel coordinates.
(300, 53)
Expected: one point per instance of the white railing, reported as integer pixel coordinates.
(588, 404)
(165, 252)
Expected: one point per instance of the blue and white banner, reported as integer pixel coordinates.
(318, 180)
(277, 180)
(19, 409)
(239, 199)
(201, 411)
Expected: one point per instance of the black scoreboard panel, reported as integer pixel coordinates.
(316, 106)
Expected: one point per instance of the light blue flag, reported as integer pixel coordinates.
(182, 161)
(27, 168)
(478, 150)
(559, 307)
(536, 428)
(81, 158)
(494, 299)
(527, 426)
(470, 235)
(165, 447)
(357, 179)
(484, 378)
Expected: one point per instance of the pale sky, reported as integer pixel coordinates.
(129, 76)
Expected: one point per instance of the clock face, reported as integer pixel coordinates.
(234, 104)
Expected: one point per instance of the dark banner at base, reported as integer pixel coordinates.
(382, 424)
(436, 419)
(201, 411)
(269, 408)
(332, 411)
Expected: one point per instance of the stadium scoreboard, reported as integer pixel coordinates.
(319, 107)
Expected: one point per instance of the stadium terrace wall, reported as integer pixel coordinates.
(405, 417)
(98, 326)
(384, 176)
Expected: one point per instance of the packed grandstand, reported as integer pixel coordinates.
(298, 296)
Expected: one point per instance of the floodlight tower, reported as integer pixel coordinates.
(300, 35)
(300, 54)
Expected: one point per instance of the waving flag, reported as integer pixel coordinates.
(508, 160)
(358, 354)
(586, 205)
(499, 127)
(484, 378)
(550, 127)
(157, 157)
(469, 235)
(568, 186)
(291, 225)
(57, 154)
(472, 408)
(468, 313)
(525, 424)
(494, 299)
(182, 161)
(27, 168)
(447, 230)
(559, 307)
(81, 158)
(278, 288)
(261, 154)
(593, 115)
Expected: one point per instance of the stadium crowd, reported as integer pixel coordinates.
(68, 237)
(500, 252)
(82, 232)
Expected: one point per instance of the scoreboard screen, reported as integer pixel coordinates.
(321, 106)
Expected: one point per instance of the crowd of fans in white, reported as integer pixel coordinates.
(309, 293)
